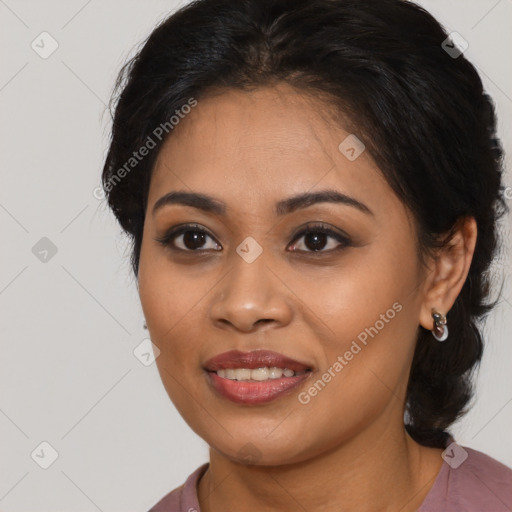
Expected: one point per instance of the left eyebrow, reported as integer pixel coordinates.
(324, 196)
(286, 206)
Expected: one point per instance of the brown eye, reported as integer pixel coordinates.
(318, 238)
(188, 238)
(193, 239)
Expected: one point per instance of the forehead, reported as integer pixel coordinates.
(250, 147)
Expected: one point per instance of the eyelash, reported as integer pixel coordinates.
(167, 239)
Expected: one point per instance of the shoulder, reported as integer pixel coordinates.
(470, 480)
(183, 498)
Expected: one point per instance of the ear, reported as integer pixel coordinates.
(448, 272)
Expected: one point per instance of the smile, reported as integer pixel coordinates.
(257, 374)
(252, 392)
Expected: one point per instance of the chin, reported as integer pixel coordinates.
(258, 450)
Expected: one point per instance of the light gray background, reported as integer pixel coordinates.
(69, 325)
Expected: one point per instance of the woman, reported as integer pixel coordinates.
(313, 188)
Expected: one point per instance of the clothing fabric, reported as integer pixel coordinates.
(468, 481)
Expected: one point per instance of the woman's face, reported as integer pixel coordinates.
(345, 305)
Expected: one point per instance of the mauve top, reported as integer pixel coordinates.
(469, 481)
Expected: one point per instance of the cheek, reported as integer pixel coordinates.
(371, 311)
(166, 291)
(365, 373)
(168, 300)
(164, 311)
(174, 300)
(172, 307)
(369, 288)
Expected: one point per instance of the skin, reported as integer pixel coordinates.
(347, 448)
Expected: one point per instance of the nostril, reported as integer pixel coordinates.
(264, 320)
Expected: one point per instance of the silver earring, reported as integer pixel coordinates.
(144, 326)
(440, 331)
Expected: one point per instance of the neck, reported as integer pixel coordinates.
(378, 469)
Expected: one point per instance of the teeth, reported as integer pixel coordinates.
(275, 373)
(258, 374)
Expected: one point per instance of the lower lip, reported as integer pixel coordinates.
(251, 392)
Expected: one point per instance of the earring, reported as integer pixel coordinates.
(144, 326)
(440, 331)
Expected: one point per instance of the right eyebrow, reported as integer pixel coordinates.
(195, 200)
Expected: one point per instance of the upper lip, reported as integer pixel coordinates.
(254, 359)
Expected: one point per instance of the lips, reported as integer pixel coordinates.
(251, 392)
(256, 393)
(255, 359)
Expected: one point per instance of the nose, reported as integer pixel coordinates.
(250, 297)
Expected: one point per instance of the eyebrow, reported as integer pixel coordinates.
(289, 205)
